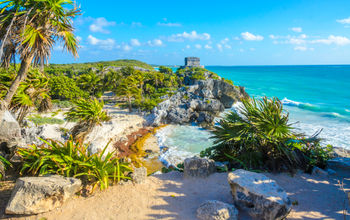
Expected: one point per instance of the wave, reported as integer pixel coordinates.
(301, 105)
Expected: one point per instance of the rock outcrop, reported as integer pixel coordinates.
(139, 175)
(34, 195)
(198, 167)
(259, 195)
(10, 133)
(216, 210)
(199, 103)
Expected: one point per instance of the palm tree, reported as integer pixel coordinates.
(29, 29)
(129, 89)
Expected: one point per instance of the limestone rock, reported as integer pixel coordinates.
(10, 131)
(259, 195)
(33, 195)
(319, 172)
(139, 175)
(339, 162)
(198, 167)
(216, 210)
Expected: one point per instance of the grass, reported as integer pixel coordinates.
(39, 120)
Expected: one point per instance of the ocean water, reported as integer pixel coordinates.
(316, 97)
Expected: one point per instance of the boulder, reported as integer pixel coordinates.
(339, 163)
(139, 175)
(319, 172)
(259, 195)
(198, 167)
(216, 210)
(10, 132)
(34, 195)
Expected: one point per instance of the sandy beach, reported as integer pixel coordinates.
(170, 196)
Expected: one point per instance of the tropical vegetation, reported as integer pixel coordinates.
(88, 113)
(29, 29)
(72, 159)
(259, 136)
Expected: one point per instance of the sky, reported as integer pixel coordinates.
(226, 32)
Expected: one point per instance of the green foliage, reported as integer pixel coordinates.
(33, 93)
(260, 137)
(72, 159)
(62, 103)
(38, 120)
(5, 163)
(63, 87)
(166, 70)
(92, 83)
(87, 114)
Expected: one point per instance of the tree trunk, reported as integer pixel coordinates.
(21, 75)
(130, 106)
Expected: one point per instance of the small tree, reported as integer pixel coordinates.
(129, 89)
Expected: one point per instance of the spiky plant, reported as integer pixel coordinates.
(72, 159)
(256, 136)
(88, 113)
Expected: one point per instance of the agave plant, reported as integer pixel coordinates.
(72, 159)
(88, 113)
(256, 136)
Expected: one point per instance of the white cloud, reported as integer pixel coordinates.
(251, 37)
(136, 24)
(344, 21)
(135, 42)
(252, 49)
(338, 40)
(155, 43)
(303, 48)
(241, 50)
(297, 29)
(208, 47)
(219, 46)
(188, 46)
(198, 46)
(126, 48)
(192, 36)
(296, 40)
(169, 24)
(300, 48)
(99, 25)
(106, 44)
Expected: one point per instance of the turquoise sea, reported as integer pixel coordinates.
(317, 97)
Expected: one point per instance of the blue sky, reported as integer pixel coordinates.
(223, 32)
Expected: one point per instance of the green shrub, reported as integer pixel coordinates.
(63, 87)
(62, 103)
(38, 120)
(72, 159)
(260, 137)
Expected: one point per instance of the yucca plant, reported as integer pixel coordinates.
(257, 137)
(88, 113)
(72, 159)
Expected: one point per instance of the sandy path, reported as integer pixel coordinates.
(169, 196)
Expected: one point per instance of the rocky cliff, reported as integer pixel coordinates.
(199, 102)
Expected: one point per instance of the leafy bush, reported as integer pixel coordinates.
(38, 120)
(72, 159)
(63, 87)
(88, 114)
(260, 137)
(62, 103)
